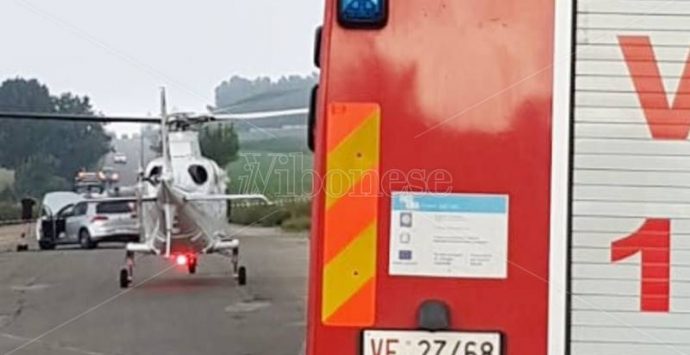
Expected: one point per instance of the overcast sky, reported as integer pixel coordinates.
(120, 51)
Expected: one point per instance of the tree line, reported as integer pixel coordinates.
(45, 155)
(240, 95)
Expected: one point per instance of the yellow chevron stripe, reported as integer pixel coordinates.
(349, 161)
(349, 271)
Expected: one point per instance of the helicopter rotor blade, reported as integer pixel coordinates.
(214, 116)
(75, 118)
(261, 114)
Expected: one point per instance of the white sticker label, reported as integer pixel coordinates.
(449, 235)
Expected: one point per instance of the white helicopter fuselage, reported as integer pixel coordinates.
(196, 228)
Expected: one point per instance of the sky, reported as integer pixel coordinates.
(119, 52)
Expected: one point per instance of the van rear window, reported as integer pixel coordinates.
(114, 207)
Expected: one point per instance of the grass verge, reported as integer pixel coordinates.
(291, 217)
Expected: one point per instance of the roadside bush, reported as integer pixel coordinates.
(265, 216)
(10, 211)
(299, 217)
(7, 195)
(292, 217)
(297, 224)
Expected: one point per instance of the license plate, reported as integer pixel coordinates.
(430, 343)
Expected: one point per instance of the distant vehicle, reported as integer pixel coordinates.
(120, 158)
(95, 184)
(109, 175)
(68, 218)
(89, 183)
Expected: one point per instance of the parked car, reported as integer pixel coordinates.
(89, 222)
(92, 222)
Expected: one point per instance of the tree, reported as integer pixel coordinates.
(152, 134)
(58, 148)
(76, 145)
(38, 175)
(220, 143)
(239, 95)
(21, 96)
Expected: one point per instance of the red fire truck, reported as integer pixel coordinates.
(501, 177)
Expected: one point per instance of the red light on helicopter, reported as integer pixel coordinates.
(182, 260)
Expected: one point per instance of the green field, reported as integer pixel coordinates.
(275, 141)
(280, 168)
(277, 175)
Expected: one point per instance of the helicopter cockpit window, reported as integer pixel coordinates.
(198, 174)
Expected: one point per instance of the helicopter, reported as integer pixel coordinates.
(181, 196)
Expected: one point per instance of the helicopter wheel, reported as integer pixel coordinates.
(240, 272)
(127, 272)
(242, 276)
(191, 266)
(235, 260)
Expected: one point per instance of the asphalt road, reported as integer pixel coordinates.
(10, 236)
(68, 302)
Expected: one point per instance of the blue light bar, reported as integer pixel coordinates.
(362, 13)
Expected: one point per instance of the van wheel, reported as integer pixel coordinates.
(85, 240)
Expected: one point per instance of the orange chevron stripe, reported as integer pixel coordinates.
(343, 230)
(350, 221)
(349, 116)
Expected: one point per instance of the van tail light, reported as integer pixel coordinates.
(99, 219)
